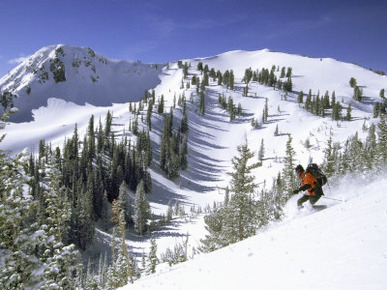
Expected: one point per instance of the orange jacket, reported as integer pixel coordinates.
(308, 179)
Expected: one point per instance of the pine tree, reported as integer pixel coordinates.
(91, 139)
(170, 211)
(266, 110)
(231, 80)
(289, 72)
(85, 220)
(383, 138)
(308, 101)
(238, 220)
(276, 132)
(336, 111)
(352, 82)
(381, 94)
(202, 104)
(358, 94)
(349, 110)
(300, 98)
(121, 270)
(282, 72)
(371, 148)
(123, 202)
(142, 209)
(261, 152)
(160, 108)
(152, 259)
(149, 114)
(288, 171)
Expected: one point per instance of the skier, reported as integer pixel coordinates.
(309, 183)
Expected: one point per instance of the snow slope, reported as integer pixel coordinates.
(213, 140)
(341, 247)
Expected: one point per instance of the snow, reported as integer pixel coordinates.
(343, 246)
(90, 78)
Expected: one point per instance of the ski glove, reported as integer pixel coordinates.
(296, 191)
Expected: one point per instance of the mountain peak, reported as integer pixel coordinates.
(77, 74)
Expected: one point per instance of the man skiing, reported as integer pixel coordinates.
(310, 184)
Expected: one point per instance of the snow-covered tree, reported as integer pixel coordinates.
(239, 218)
(383, 138)
(243, 186)
(62, 261)
(124, 204)
(33, 254)
(261, 152)
(152, 260)
(288, 175)
(120, 271)
(142, 209)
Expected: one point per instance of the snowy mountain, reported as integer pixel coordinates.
(75, 74)
(95, 85)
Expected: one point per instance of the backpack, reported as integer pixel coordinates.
(317, 173)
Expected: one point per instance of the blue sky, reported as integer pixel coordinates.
(168, 30)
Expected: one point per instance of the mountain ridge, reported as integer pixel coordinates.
(76, 74)
(80, 75)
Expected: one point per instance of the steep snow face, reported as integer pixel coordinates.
(76, 74)
(341, 247)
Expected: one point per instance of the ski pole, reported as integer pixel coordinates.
(343, 200)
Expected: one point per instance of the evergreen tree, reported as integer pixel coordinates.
(142, 209)
(371, 148)
(160, 108)
(288, 172)
(349, 110)
(383, 138)
(266, 110)
(231, 80)
(282, 72)
(248, 75)
(329, 158)
(123, 202)
(358, 94)
(220, 77)
(308, 101)
(261, 152)
(238, 220)
(381, 94)
(149, 114)
(289, 72)
(276, 132)
(202, 105)
(152, 259)
(120, 272)
(300, 98)
(84, 227)
(91, 139)
(352, 82)
(170, 211)
(336, 111)
(288, 85)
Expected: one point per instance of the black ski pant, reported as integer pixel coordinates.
(313, 199)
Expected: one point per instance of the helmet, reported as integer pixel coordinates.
(299, 169)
